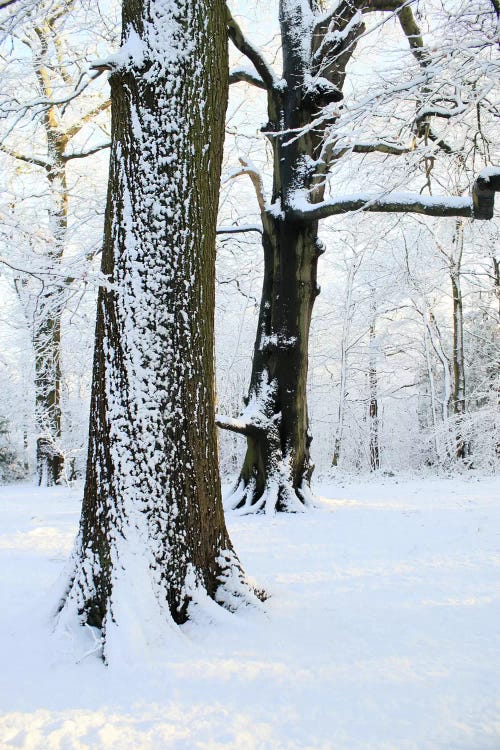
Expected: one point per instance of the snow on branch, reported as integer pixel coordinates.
(37, 161)
(478, 206)
(239, 426)
(256, 178)
(240, 229)
(246, 75)
(267, 74)
(87, 152)
(381, 147)
(389, 203)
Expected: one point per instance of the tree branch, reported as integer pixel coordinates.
(379, 147)
(256, 179)
(28, 159)
(90, 115)
(414, 35)
(243, 75)
(269, 78)
(239, 229)
(391, 203)
(478, 206)
(6, 3)
(236, 425)
(385, 5)
(88, 152)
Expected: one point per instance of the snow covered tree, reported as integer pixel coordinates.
(309, 131)
(153, 541)
(47, 123)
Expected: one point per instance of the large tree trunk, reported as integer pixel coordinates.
(152, 531)
(277, 466)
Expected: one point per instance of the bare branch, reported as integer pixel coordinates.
(88, 152)
(239, 229)
(414, 36)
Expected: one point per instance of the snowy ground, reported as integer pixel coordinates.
(382, 633)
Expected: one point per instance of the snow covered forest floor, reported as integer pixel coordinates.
(381, 632)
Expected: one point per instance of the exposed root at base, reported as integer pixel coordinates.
(277, 497)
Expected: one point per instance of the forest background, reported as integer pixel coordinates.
(404, 347)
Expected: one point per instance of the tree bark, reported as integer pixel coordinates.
(458, 396)
(277, 467)
(373, 410)
(152, 529)
(302, 108)
(47, 327)
(344, 352)
(50, 302)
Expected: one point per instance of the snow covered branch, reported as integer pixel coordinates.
(255, 177)
(244, 228)
(87, 152)
(478, 206)
(239, 426)
(269, 78)
(26, 158)
(389, 203)
(380, 147)
(246, 75)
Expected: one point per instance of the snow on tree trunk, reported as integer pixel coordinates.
(344, 349)
(303, 109)
(47, 328)
(152, 541)
(462, 447)
(373, 406)
(277, 467)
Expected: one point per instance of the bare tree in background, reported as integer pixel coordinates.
(50, 100)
